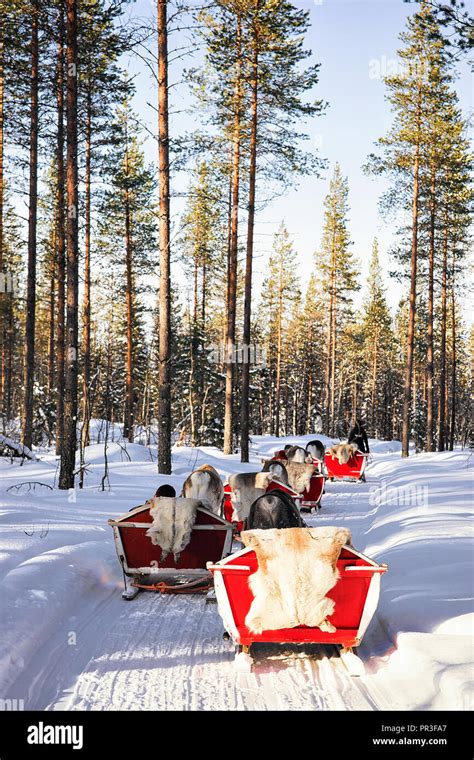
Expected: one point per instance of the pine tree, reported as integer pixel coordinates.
(164, 348)
(415, 153)
(280, 289)
(126, 235)
(338, 268)
(68, 452)
(378, 344)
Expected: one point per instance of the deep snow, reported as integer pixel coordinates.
(67, 640)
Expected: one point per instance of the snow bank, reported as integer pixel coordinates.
(57, 554)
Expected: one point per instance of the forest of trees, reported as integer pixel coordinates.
(95, 322)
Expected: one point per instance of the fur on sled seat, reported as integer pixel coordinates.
(343, 452)
(296, 569)
(299, 475)
(173, 522)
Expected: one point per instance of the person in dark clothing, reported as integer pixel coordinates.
(359, 437)
(165, 490)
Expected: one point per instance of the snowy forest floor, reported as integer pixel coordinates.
(68, 640)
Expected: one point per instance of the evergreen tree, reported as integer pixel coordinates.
(126, 235)
(338, 268)
(377, 345)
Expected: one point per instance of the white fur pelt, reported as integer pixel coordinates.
(343, 452)
(296, 569)
(245, 488)
(299, 475)
(205, 484)
(173, 522)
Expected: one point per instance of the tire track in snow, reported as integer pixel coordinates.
(162, 652)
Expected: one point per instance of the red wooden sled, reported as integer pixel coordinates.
(353, 469)
(211, 540)
(356, 596)
(309, 499)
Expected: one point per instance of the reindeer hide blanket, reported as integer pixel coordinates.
(296, 569)
(343, 452)
(173, 521)
(299, 475)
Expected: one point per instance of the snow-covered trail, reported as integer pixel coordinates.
(68, 640)
(167, 652)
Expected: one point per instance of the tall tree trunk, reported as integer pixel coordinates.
(354, 396)
(60, 239)
(330, 337)
(442, 350)
(233, 251)
(129, 371)
(86, 303)
(407, 388)
(278, 355)
(333, 362)
(245, 387)
(192, 365)
(373, 397)
(164, 370)
(52, 324)
(2, 117)
(3, 305)
(29, 361)
(68, 454)
(453, 357)
(309, 392)
(430, 348)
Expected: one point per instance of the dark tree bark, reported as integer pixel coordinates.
(3, 305)
(60, 239)
(430, 347)
(129, 391)
(52, 325)
(442, 350)
(233, 251)
(164, 376)
(453, 357)
(407, 388)
(245, 387)
(86, 307)
(29, 359)
(68, 454)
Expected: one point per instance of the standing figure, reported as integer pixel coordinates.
(359, 437)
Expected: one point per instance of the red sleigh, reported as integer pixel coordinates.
(355, 595)
(211, 539)
(353, 469)
(308, 500)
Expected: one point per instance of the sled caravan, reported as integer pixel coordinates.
(246, 545)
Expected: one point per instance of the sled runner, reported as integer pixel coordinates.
(353, 469)
(211, 540)
(355, 594)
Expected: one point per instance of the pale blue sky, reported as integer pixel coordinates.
(352, 40)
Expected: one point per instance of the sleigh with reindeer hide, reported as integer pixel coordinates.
(353, 468)
(146, 566)
(246, 604)
(307, 500)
